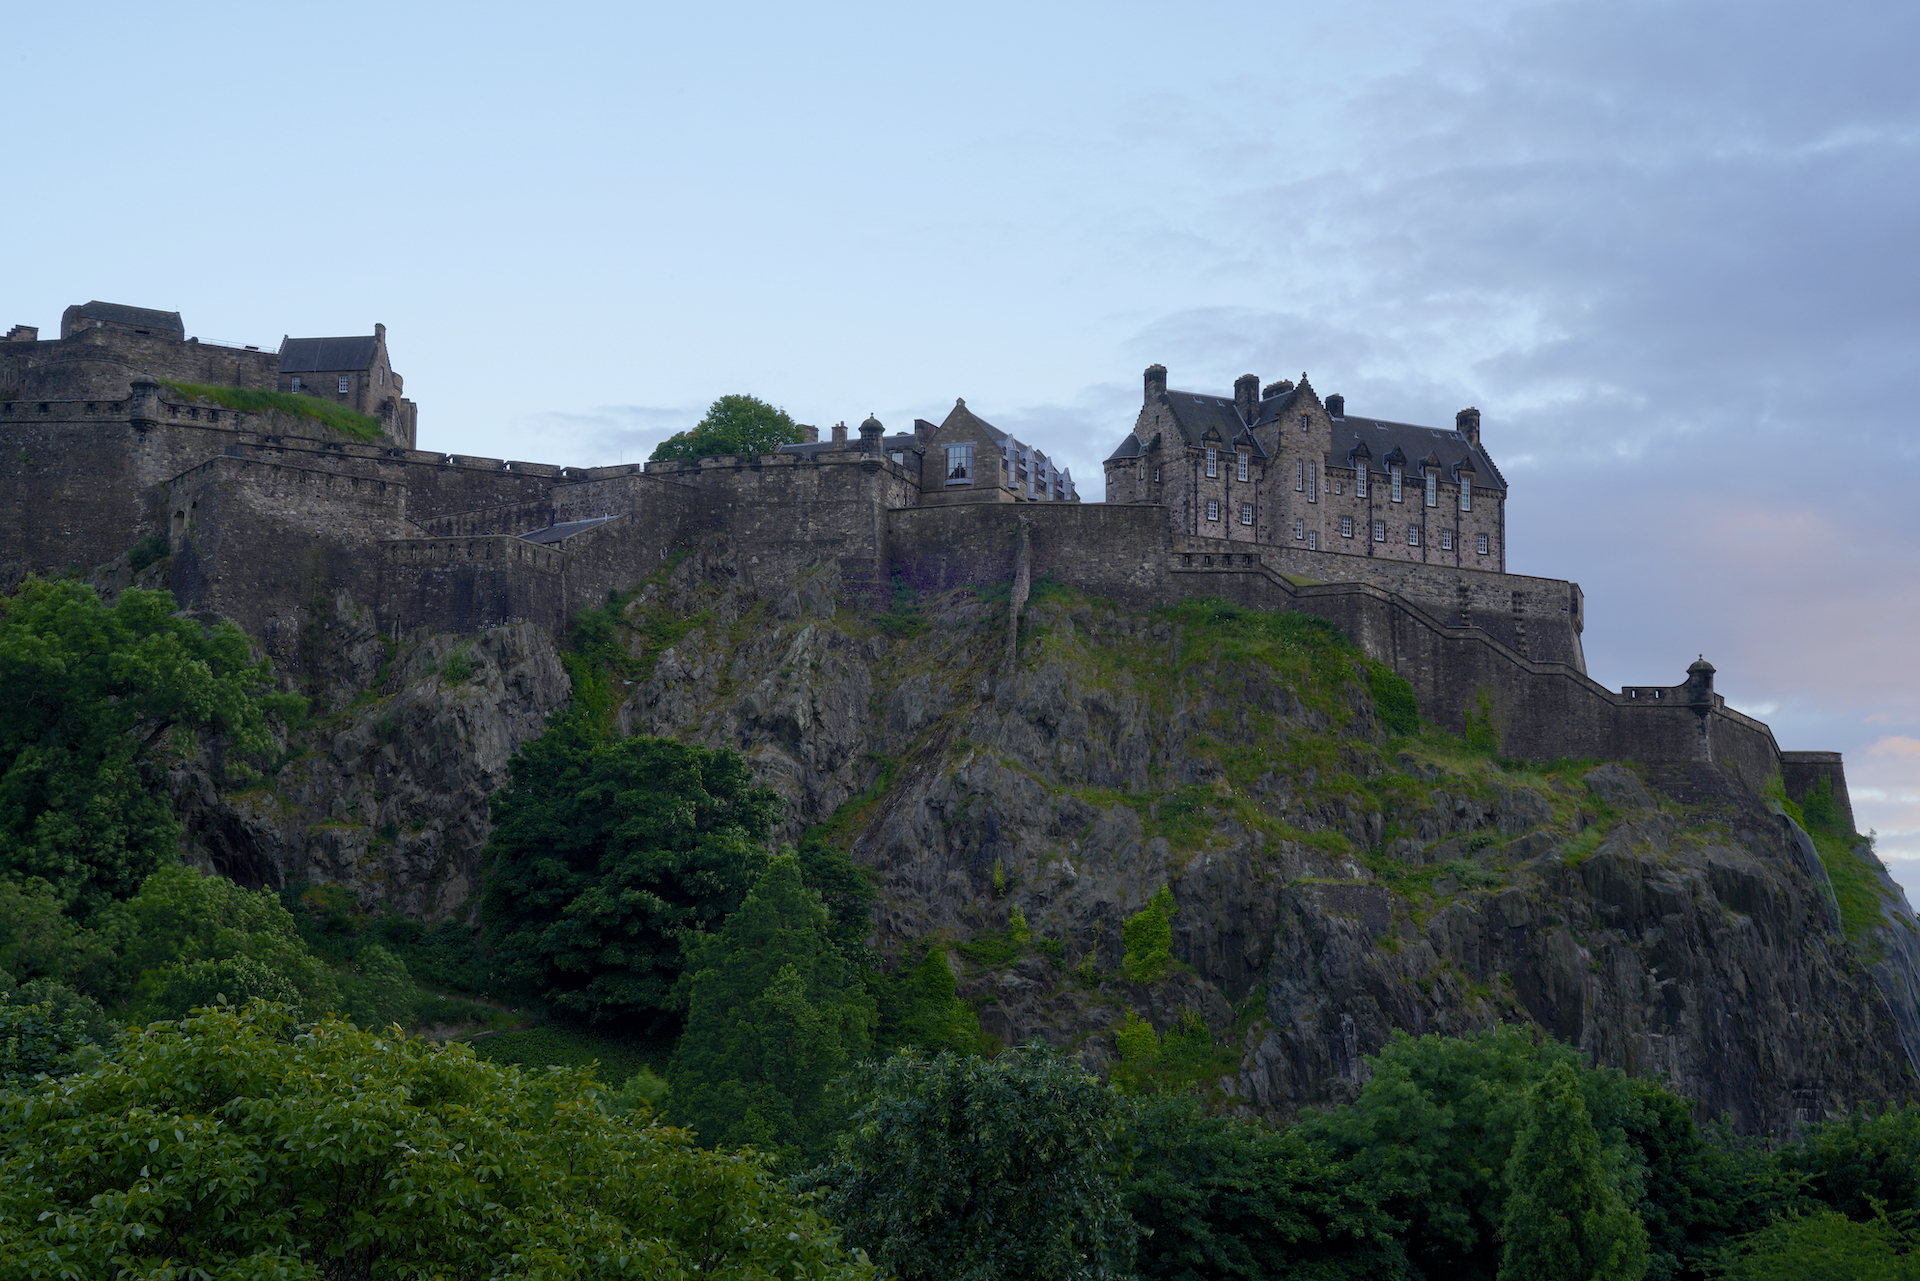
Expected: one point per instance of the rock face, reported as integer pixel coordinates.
(1331, 886)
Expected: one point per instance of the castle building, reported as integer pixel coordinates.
(1281, 468)
(1269, 497)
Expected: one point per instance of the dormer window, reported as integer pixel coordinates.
(960, 463)
(1433, 487)
(1395, 482)
(1241, 472)
(1213, 460)
(1466, 492)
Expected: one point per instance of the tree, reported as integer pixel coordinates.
(970, 1169)
(775, 1013)
(1223, 1198)
(1820, 1244)
(233, 1144)
(1565, 1217)
(605, 854)
(920, 1008)
(91, 700)
(733, 425)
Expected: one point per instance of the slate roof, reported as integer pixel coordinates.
(139, 317)
(564, 530)
(327, 355)
(1414, 443)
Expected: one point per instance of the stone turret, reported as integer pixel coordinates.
(1467, 423)
(1700, 684)
(870, 433)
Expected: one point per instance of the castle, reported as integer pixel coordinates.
(1271, 497)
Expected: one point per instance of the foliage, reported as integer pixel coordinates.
(1857, 887)
(457, 667)
(1860, 1162)
(1565, 1219)
(612, 1058)
(1185, 1056)
(1312, 651)
(969, 1169)
(331, 414)
(146, 551)
(187, 940)
(90, 699)
(844, 887)
(36, 1039)
(1220, 1198)
(605, 854)
(1393, 699)
(919, 1007)
(734, 425)
(39, 940)
(1480, 734)
(775, 1013)
(1148, 935)
(1821, 1245)
(643, 1089)
(379, 992)
(233, 1145)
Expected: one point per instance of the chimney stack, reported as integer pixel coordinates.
(1246, 396)
(1156, 382)
(1276, 389)
(1467, 423)
(1337, 405)
(809, 434)
(840, 432)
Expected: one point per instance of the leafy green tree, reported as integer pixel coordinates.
(188, 939)
(775, 1014)
(733, 425)
(970, 1169)
(36, 1040)
(920, 1008)
(91, 701)
(1565, 1217)
(233, 1145)
(1222, 1198)
(1866, 1160)
(604, 854)
(1820, 1244)
(39, 940)
(1148, 935)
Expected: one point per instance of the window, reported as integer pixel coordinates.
(1213, 509)
(1313, 482)
(1346, 527)
(899, 457)
(296, 382)
(960, 464)
(1466, 493)
(1379, 531)
(1359, 478)
(1299, 476)
(383, 375)
(1241, 472)
(1246, 513)
(1394, 481)
(1299, 528)
(1313, 540)
(1446, 540)
(1433, 487)
(1482, 548)
(1156, 475)
(1338, 489)
(1413, 535)
(346, 384)
(1213, 460)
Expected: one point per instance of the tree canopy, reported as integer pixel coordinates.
(605, 853)
(971, 1169)
(235, 1144)
(733, 425)
(91, 698)
(775, 1013)
(1565, 1217)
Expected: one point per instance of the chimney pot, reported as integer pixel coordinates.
(1156, 380)
(840, 432)
(809, 434)
(1246, 396)
(1337, 405)
(1467, 423)
(1277, 388)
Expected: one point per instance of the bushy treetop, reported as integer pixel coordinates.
(733, 425)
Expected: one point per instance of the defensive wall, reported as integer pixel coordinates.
(265, 519)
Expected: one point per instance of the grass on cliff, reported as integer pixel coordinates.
(1846, 856)
(350, 423)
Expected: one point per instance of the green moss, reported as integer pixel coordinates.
(329, 414)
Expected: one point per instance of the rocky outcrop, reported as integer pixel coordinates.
(1332, 886)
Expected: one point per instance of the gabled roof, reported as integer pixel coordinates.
(962, 417)
(139, 317)
(1197, 413)
(327, 355)
(1383, 439)
(1247, 441)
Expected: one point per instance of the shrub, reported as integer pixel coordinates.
(149, 549)
(1393, 699)
(1148, 935)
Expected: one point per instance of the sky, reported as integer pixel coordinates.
(1667, 249)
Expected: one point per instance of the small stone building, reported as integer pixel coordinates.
(1279, 466)
(355, 372)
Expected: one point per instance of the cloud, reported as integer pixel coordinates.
(607, 433)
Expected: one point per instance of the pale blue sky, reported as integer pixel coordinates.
(1666, 248)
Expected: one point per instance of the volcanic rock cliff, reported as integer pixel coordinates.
(1331, 882)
